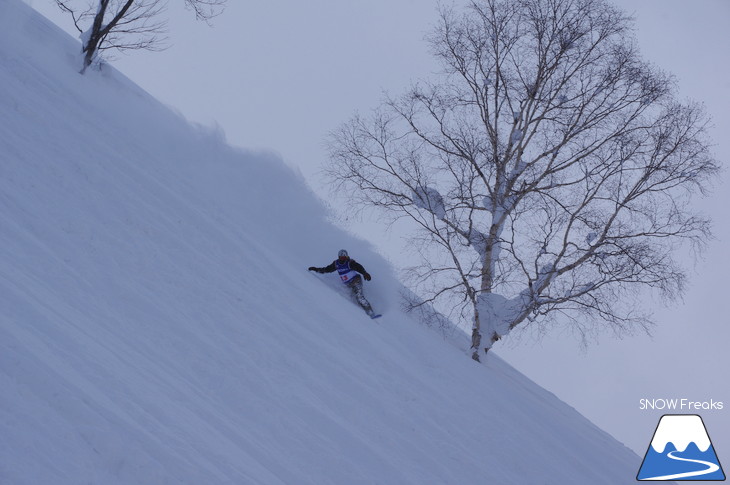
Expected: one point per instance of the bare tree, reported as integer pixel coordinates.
(126, 24)
(549, 168)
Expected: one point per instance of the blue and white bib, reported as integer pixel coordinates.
(345, 272)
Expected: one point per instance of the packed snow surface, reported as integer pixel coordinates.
(158, 324)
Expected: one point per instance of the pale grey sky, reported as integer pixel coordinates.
(279, 75)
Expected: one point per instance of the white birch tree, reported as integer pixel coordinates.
(549, 168)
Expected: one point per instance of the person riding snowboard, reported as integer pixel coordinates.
(350, 271)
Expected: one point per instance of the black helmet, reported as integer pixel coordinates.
(343, 254)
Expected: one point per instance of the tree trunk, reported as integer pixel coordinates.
(91, 44)
(89, 50)
(476, 337)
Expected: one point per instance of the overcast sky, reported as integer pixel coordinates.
(278, 75)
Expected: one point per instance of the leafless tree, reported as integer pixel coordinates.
(549, 168)
(126, 24)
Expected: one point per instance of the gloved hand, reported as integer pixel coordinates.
(312, 268)
(367, 277)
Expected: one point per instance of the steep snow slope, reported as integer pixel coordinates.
(158, 325)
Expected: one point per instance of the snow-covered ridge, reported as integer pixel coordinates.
(158, 324)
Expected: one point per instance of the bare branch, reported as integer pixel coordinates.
(127, 24)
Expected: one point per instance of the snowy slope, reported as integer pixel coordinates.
(157, 323)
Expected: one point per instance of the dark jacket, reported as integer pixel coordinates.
(333, 267)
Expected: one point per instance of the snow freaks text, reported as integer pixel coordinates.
(679, 404)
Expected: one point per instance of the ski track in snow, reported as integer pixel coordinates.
(711, 468)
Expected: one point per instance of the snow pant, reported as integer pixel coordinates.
(355, 286)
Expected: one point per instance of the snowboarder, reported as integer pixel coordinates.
(350, 272)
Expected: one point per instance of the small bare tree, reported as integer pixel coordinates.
(549, 169)
(126, 24)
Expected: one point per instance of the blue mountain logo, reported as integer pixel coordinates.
(681, 450)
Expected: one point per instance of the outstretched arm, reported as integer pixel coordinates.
(327, 269)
